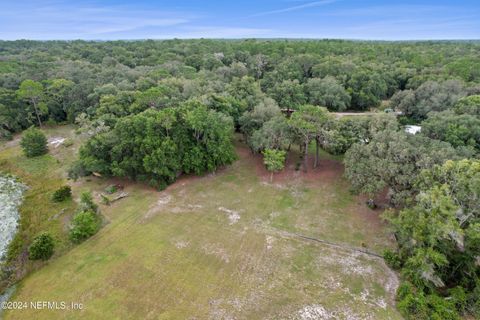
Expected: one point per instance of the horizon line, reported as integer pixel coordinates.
(243, 38)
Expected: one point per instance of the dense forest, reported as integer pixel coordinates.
(154, 110)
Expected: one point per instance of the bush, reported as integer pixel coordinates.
(474, 301)
(459, 298)
(34, 143)
(414, 306)
(441, 308)
(68, 143)
(371, 204)
(85, 224)
(106, 200)
(392, 259)
(41, 247)
(111, 189)
(5, 134)
(62, 194)
(76, 171)
(86, 202)
(404, 289)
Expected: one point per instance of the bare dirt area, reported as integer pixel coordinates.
(326, 171)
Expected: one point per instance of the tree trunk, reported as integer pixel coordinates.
(271, 176)
(36, 113)
(316, 153)
(305, 159)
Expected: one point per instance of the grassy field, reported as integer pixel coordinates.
(43, 175)
(222, 246)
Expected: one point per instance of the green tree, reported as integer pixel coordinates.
(42, 247)
(430, 96)
(340, 134)
(253, 120)
(274, 160)
(327, 92)
(84, 225)
(274, 134)
(393, 159)
(308, 123)
(157, 146)
(438, 237)
(34, 142)
(227, 105)
(288, 94)
(458, 130)
(32, 91)
(468, 105)
(245, 89)
(367, 89)
(58, 97)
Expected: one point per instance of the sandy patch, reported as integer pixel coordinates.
(56, 141)
(181, 244)
(269, 241)
(314, 312)
(233, 216)
(161, 203)
(318, 312)
(217, 251)
(349, 263)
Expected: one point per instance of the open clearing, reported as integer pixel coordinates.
(224, 246)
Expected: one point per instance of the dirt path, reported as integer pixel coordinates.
(286, 234)
(343, 114)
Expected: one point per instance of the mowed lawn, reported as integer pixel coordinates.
(224, 246)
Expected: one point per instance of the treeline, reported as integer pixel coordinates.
(433, 183)
(72, 78)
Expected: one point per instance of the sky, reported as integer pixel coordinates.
(150, 19)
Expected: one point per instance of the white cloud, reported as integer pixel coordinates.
(64, 21)
(295, 8)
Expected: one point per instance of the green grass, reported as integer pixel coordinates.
(182, 254)
(43, 175)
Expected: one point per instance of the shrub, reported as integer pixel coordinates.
(105, 200)
(404, 289)
(5, 134)
(413, 303)
(441, 308)
(62, 194)
(41, 247)
(111, 189)
(34, 143)
(371, 204)
(76, 171)
(85, 224)
(414, 306)
(459, 298)
(86, 202)
(474, 301)
(68, 143)
(392, 259)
